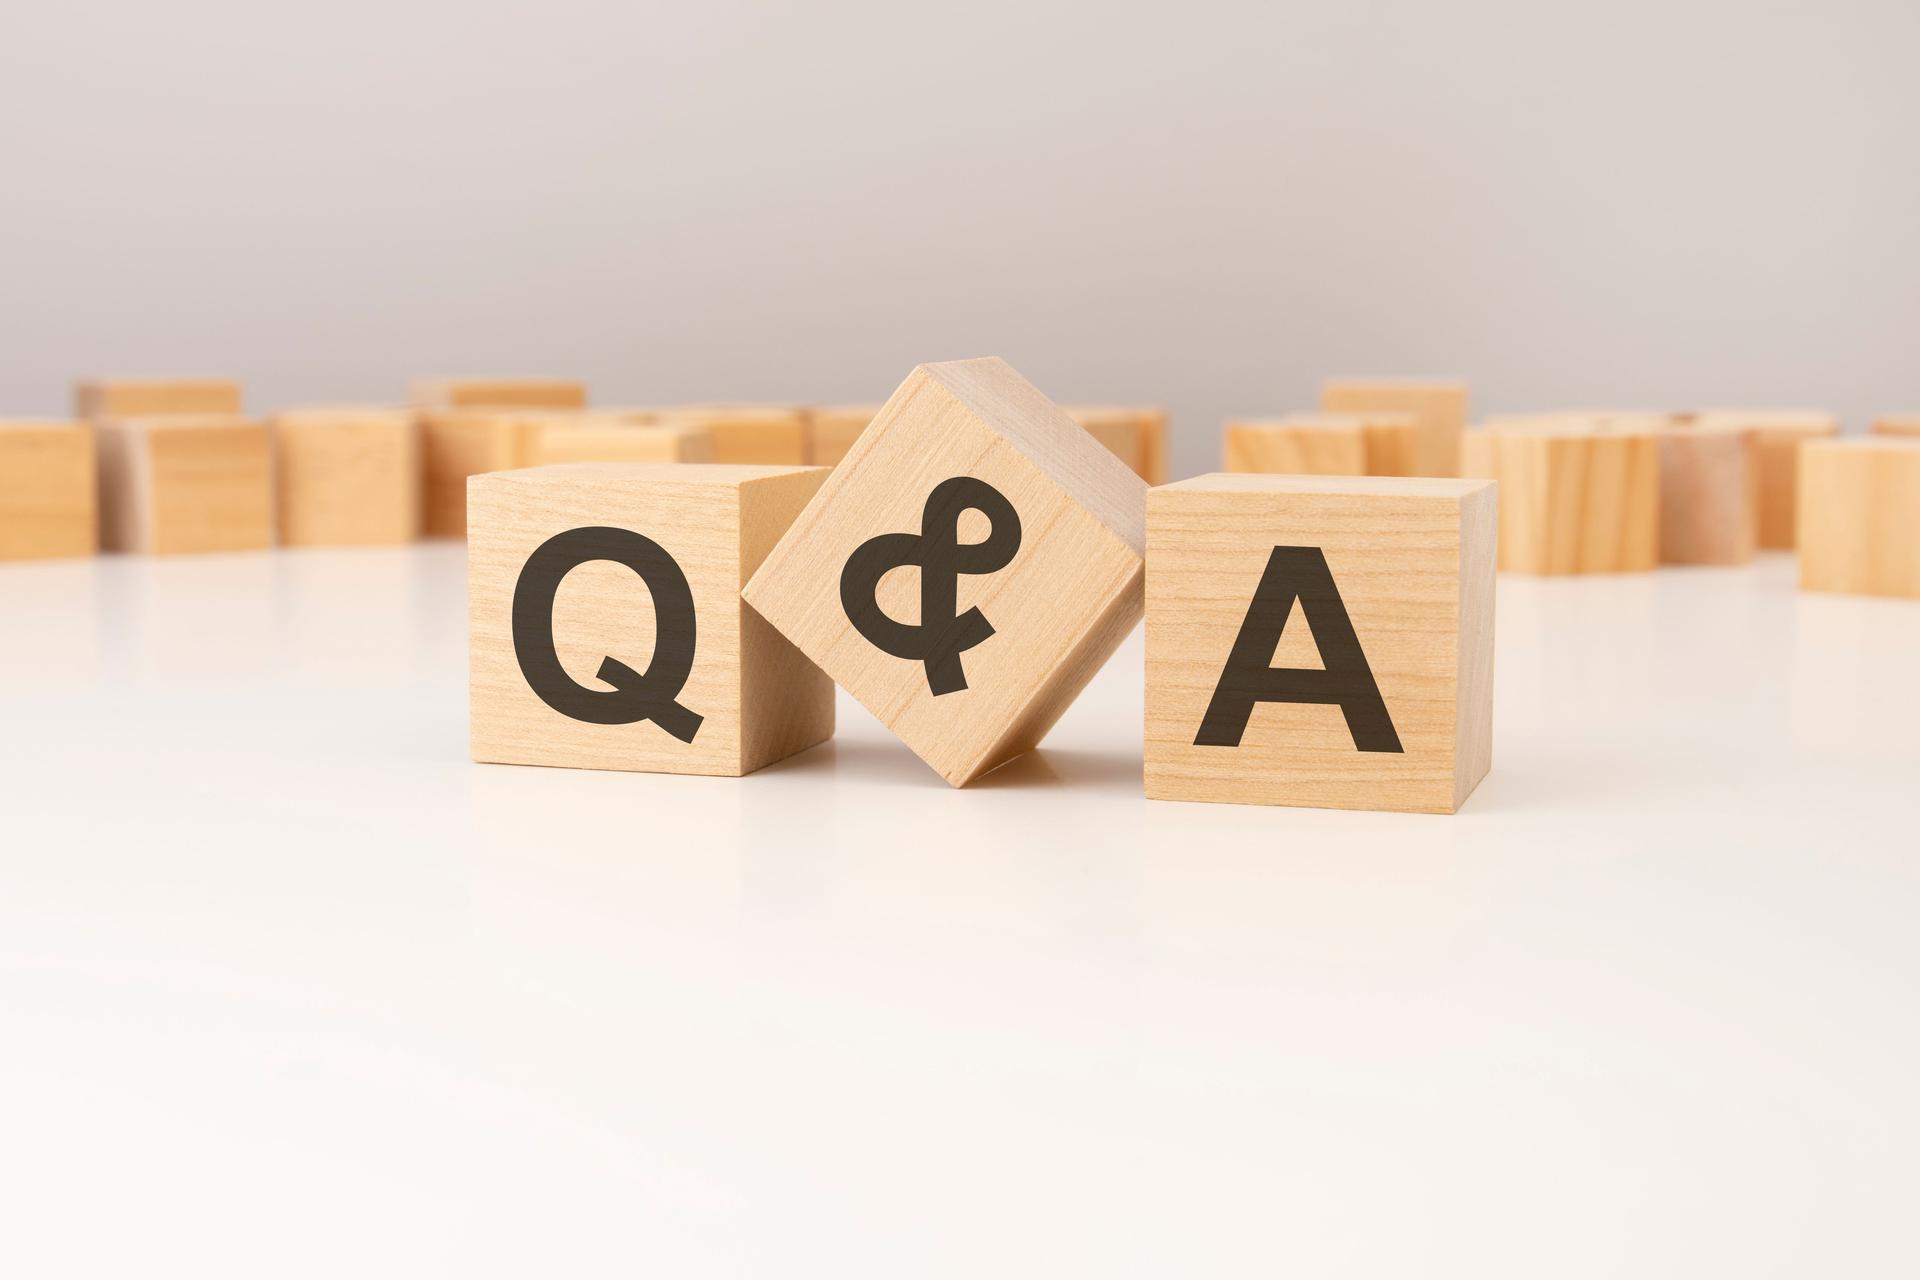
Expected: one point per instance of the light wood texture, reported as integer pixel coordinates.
(1331, 444)
(347, 476)
(499, 393)
(1859, 506)
(1775, 439)
(1440, 406)
(748, 434)
(758, 698)
(1413, 563)
(595, 436)
(456, 444)
(1572, 500)
(1135, 433)
(96, 398)
(47, 490)
(185, 484)
(832, 429)
(1057, 609)
(1897, 424)
(1709, 497)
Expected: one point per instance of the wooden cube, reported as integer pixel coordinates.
(454, 445)
(606, 625)
(1320, 640)
(1136, 434)
(185, 484)
(347, 477)
(97, 398)
(553, 440)
(832, 429)
(1439, 406)
(48, 492)
(1328, 444)
(1775, 437)
(1709, 496)
(1897, 424)
(1859, 506)
(497, 393)
(748, 434)
(1021, 538)
(1572, 499)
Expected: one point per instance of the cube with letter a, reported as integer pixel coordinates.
(606, 625)
(1323, 641)
(967, 567)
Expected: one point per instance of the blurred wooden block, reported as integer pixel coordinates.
(606, 625)
(454, 445)
(48, 490)
(497, 393)
(1439, 406)
(1709, 499)
(1327, 444)
(1136, 434)
(185, 484)
(1897, 424)
(1022, 540)
(832, 429)
(551, 441)
(1572, 500)
(746, 434)
(1859, 506)
(1775, 439)
(1323, 641)
(97, 398)
(347, 477)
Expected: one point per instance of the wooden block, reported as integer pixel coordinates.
(454, 445)
(1775, 439)
(1572, 500)
(48, 502)
(1320, 640)
(347, 477)
(1897, 424)
(1021, 538)
(1859, 506)
(97, 398)
(185, 484)
(1439, 406)
(832, 429)
(1156, 430)
(746, 434)
(606, 625)
(1331, 444)
(497, 393)
(1136, 434)
(1709, 503)
(556, 440)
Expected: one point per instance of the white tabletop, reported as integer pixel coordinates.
(291, 988)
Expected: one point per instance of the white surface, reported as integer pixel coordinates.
(290, 988)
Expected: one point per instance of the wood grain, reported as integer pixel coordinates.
(347, 476)
(1337, 444)
(832, 429)
(1775, 438)
(185, 484)
(1572, 499)
(48, 491)
(1859, 505)
(1440, 405)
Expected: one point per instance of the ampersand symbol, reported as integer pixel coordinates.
(636, 695)
(941, 636)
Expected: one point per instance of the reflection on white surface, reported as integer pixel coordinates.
(292, 988)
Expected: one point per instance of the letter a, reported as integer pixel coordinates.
(1297, 573)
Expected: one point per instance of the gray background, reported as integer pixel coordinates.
(1214, 206)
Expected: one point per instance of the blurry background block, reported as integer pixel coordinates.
(1572, 499)
(754, 434)
(1897, 424)
(1777, 435)
(596, 439)
(347, 476)
(1379, 444)
(185, 484)
(1709, 503)
(47, 489)
(832, 429)
(154, 397)
(1859, 508)
(455, 444)
(1439, 405)
(461, 393)
(1136, 434)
